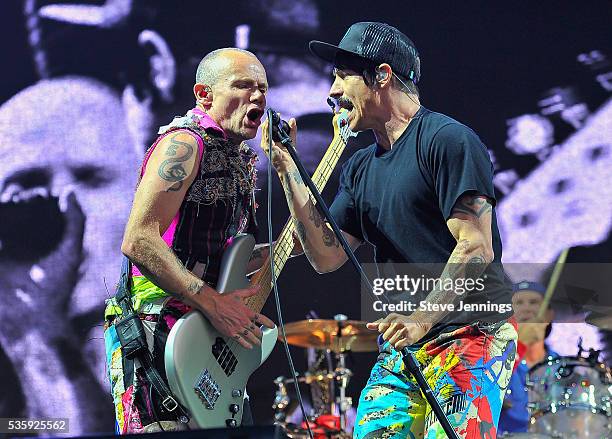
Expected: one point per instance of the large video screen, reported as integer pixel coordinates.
(86, 84)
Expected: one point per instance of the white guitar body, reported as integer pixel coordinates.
(207, 372)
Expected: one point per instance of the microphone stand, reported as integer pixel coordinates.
(280, 134)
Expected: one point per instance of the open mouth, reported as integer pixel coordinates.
(254, 116)
(345, 103)
(32, 224)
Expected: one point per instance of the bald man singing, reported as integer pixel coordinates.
(196, 192)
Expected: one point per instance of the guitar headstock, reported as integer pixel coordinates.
(341, 125)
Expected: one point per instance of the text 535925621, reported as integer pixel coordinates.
(24, 425)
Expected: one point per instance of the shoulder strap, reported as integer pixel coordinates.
(123, 289)
(129, 328)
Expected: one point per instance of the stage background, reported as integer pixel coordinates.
(85, 85)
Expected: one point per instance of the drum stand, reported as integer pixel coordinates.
(279, 134)
(342, 375)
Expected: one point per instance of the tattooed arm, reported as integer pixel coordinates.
(470, 225)
(320, 244)
(318, 240)
(171, 169)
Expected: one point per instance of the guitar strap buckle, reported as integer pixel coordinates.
(170, 404)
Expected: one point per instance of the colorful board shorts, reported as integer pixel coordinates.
(135, 403)
(469, 370)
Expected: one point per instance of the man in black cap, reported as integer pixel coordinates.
(422, 193)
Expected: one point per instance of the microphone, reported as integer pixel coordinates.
(332, 103)
(280, 128)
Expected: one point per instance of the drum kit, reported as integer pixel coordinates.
(570, 396)
(327, 378)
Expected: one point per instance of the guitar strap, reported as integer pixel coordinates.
(131, 333)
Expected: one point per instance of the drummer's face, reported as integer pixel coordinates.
(526, 305)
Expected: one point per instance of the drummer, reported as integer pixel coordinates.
(531, 349)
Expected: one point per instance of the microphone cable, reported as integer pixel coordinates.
(279, 313)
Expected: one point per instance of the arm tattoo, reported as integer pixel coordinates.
(194, 287)
(301, 231)
(475, 267)
(329, 237)
(295, 176)
(289, 192)
(172, 169)
(460, 263)
(313, 214)
(473, 205)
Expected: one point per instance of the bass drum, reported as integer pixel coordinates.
(570, 397)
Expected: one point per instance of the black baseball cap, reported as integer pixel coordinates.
(374, 43)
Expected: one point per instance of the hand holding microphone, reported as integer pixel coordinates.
(280, 127)
(281, 160)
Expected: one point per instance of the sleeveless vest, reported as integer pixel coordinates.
(219, 204)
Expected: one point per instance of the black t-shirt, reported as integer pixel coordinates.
(399, 200)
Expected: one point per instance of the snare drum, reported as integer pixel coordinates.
(570, 397)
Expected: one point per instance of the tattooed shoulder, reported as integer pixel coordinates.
(472, 205)
(179, 150)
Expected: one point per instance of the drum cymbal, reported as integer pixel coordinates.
(323, 334)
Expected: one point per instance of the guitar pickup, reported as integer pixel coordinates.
(224, 355)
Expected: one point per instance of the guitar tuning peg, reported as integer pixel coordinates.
(332, 104)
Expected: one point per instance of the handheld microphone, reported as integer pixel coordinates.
(280, 128)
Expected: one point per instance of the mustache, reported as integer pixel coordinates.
(345, 103)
